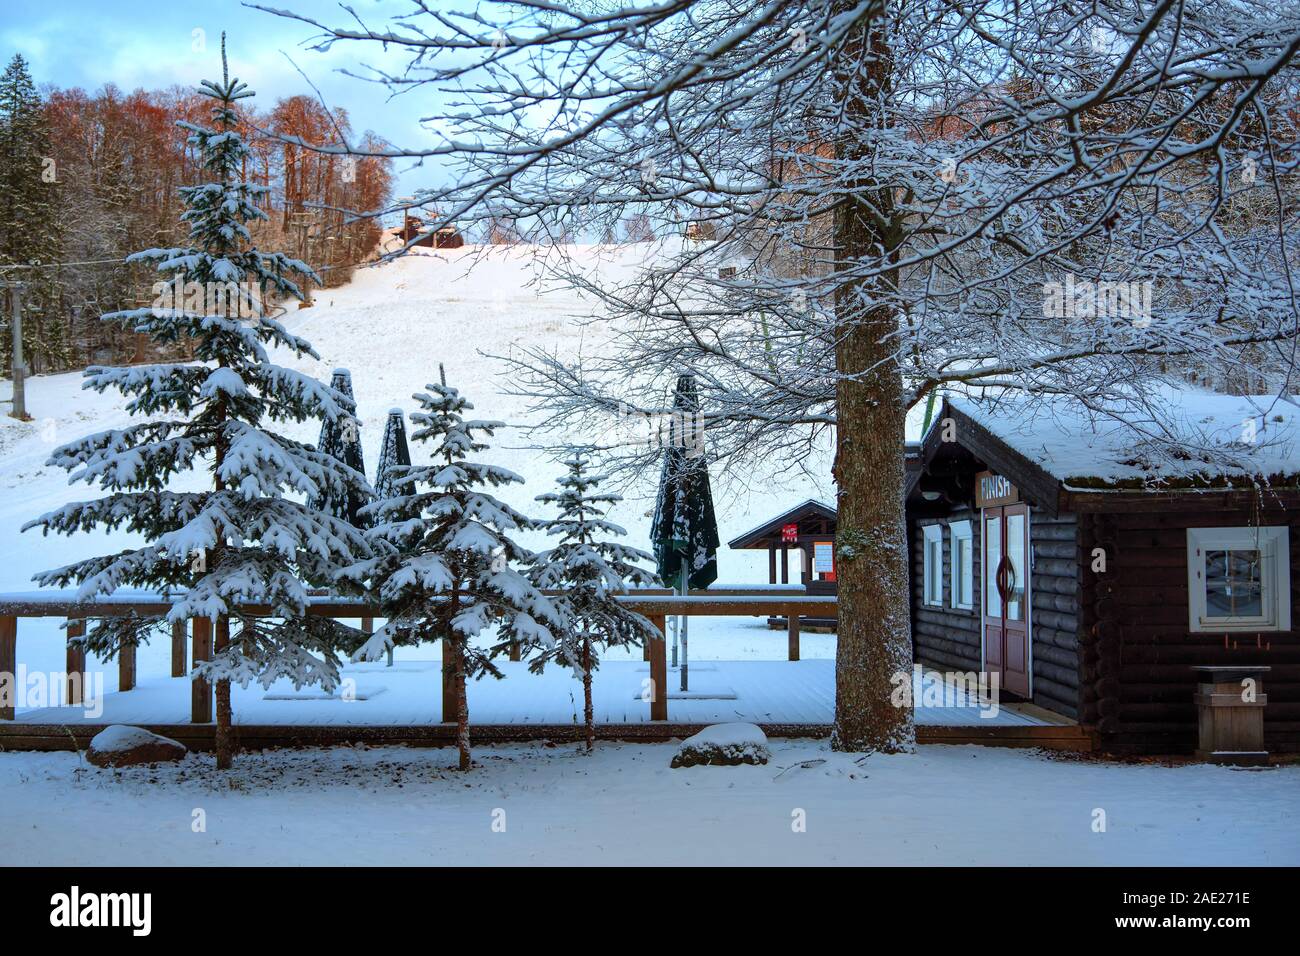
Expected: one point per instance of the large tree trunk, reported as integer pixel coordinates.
(224, 739)
(874, 642)
(588, 712)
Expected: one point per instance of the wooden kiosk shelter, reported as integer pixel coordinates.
(808, 529)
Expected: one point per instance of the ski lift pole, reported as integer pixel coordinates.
(676, 624)
(18, 366)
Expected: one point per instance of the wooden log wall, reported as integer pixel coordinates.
(949, 637)
(1054, 612)
(1138, 648)
(946, 637)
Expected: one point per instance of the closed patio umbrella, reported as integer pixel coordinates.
(684, 532)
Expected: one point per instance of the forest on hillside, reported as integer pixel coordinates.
(89, 178)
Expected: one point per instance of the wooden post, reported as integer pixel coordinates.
(658, 670)
(448, 684)
(771, 564)
(76, 667)
(792, 631)
(178, 648)
(200, 689)
(514, 650)
(126, 667)
(8, 666)
(785, 565)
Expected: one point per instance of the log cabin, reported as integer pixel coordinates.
(1048, 547)
(413, 231)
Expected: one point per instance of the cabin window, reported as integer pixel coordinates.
(932, 565)
(962, 585)
(1239, 579)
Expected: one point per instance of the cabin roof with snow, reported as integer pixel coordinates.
(1187, 439)
(769, 532)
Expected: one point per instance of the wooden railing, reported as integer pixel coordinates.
(656, 604)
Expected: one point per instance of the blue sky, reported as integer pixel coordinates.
(89, 43)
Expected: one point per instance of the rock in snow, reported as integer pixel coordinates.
(123, 746)
(723, 745)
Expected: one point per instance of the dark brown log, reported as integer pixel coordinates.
(178, 648)
(1058, 657)
(658, 671)
(76, 667)
(1054, 567)
(1056, 531)
(201, 689)
(1064, 550)
(8, 666)
(126, 667)
(792, 633)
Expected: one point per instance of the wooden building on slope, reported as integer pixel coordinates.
(1046, 549)
(808, 530)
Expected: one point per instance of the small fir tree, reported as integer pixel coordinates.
(588, 573)
(443, 554)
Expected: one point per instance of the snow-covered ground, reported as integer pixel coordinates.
(623, 805)
(525, 804)
(410, 694)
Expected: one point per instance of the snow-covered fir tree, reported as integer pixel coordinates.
(589, 572)
(31, 226)
(243, 539)
(442, 564)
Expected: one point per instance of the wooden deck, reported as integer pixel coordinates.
(401, 704)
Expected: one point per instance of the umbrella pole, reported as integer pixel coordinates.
(677, 626)
(684, 628)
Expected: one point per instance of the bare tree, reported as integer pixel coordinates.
(906, 195)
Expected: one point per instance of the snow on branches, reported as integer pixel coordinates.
(443, 559)
(248, 538)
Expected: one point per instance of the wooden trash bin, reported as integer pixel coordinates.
(1231, 714)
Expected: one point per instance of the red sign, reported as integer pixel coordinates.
(790, 532)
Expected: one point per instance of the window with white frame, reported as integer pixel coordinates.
(961, 587)
(1239, 579)
(932, 565)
